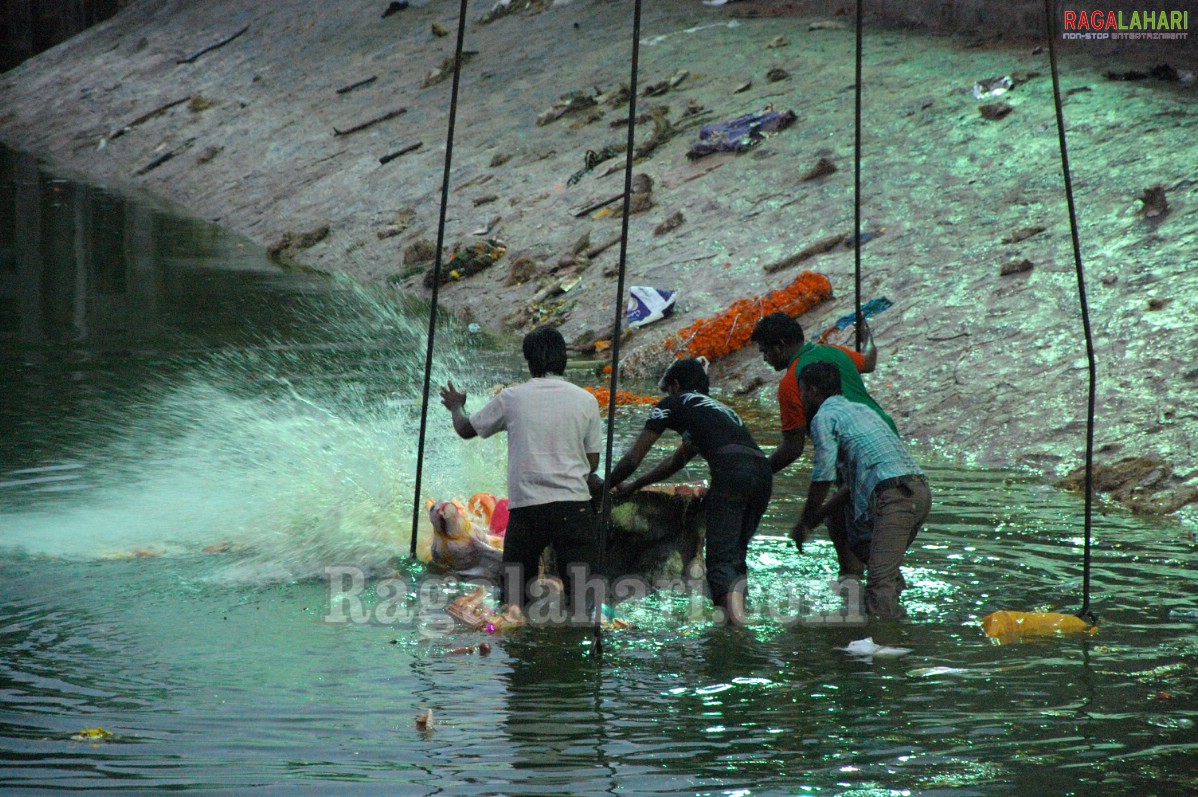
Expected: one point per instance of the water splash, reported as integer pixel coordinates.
(289, 455)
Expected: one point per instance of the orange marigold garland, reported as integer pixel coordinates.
(603, 394)
(729, 331)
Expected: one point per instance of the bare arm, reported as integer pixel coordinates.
(632, 459)
(813, 511)
(675, 462)
(455, 401)
(868, 350)
(788, 450)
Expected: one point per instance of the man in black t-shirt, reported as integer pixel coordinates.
(741, 480)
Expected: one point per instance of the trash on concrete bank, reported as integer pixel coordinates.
(292, 243)
(822, 168)
(1160, 72)
(646, 305)
(995, 110)
(395, 8)
(1015, 267)
(593, 158)
(844, 328)
(1154, 201)
(740, 134)
(446, 68)
(571, 102)
(1023, 234)
(672, 222)
(468, 260)
(992, 87)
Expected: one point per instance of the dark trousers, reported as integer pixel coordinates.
(740, 491)
(569, 526)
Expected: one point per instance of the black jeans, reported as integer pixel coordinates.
(569, 526)
(740, 490)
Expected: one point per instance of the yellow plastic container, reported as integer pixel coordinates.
(1008, 626)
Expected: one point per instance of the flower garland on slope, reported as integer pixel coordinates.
(623, 397)
(729, 330)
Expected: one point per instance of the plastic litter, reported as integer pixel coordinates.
(740, 134)
(842, 332)
(868, 649)
(992, 87)
(646, 305)
(1007, 626)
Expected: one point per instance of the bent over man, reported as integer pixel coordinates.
(781, 342)
(886, 492)
(740, 476)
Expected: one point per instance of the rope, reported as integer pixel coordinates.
(857, 188)
(432, 313)
(1085, 611)
(605, 515)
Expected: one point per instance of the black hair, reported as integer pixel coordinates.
(777, 328)
(690, 375)
(823, 376)
(545, 351)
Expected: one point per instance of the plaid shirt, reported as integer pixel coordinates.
(852, 441)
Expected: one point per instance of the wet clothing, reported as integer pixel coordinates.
(794, 418)
(847, 361)
(702, 421)
(852, 440)
(551, 426)
(740, 491)
(571, 527)
(898, 511)
(888, 493)
(741, 481)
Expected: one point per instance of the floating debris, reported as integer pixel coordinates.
(868, 650)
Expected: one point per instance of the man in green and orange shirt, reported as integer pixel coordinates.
(783, 346)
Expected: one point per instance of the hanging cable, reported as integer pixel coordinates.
(1085, 611)
(857, 188)
(605, 514)
(432, 313)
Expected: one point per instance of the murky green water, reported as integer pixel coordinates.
(166, 392)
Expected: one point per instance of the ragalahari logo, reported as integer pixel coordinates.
(1108, 24)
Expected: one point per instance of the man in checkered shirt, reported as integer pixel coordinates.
(888, 492)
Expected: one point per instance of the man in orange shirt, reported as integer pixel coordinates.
(783, 346)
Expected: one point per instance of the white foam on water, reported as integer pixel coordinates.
(284, 475)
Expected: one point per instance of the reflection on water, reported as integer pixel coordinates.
(177, 471)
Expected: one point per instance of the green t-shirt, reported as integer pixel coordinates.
(851, 385)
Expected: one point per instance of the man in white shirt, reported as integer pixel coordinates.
(554, 434)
